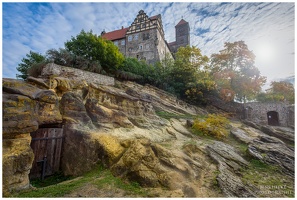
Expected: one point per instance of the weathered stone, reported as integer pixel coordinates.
(17, 158)
(242, 135)
(110, 149)
(61, 84)
(283, 135)
(100, 114)
(273, 151)
(14, 86)
(18, 115)
(286, 134)
(80, 151)
(37, 81)
(229, 163)
(73, 74)
(74, 111)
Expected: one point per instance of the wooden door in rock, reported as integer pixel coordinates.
(47, 147)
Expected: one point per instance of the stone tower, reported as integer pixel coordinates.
(182, 33)
(182, 36)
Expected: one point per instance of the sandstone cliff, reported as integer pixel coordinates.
(116, 124)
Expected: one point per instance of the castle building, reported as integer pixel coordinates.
(145, 40)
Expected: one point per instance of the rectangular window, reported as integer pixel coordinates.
(140, 47)
(116, 43)
(130, 38)
(136, 37)
(123, 42)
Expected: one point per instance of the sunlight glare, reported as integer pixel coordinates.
(264, 53)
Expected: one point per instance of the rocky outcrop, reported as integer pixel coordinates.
(17, 158)
(229, 165)
(286, 134)
(268, 149)
(273, 151)
(25, 108)
(116, 125)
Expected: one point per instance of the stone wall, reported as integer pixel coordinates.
(231, 107)
(52, 69)
(257, 112)
(162, 48)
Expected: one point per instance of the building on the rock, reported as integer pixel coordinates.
(145, 38)
(274, 113)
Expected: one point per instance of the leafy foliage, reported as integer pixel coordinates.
(94, 48)
(234, 72)
(31, 59)
(215, 125)
(278, 91)
(66, 58)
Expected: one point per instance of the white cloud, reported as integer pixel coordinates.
(42, 26)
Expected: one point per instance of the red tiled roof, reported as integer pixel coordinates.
(181, 22)
(154, 17)
(172, 43)
(117, 34)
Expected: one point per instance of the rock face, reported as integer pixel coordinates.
(268, 149)
(273, 151)
(229, 165)
(25, 107)
(117, 125)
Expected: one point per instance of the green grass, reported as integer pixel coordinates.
(51, 180)
(167, 115)
(98, 177)
(268, 179)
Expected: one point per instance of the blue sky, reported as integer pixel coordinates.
(267, 28)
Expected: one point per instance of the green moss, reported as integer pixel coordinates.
(269, 179)
(99, 177)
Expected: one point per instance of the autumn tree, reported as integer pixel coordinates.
(234, 71)
(278, 91)
(94, 48)
(31, 59)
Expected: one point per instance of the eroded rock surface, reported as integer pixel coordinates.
(116, 124)
(229, 164)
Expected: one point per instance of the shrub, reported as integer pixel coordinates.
(36, 69)
(215, 125)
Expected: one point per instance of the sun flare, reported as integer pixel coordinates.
(265, 52)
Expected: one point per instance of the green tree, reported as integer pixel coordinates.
(66, 58)
(190, 74)
(94, 48)
(235, 73)
(31, 59)
(278, 91)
